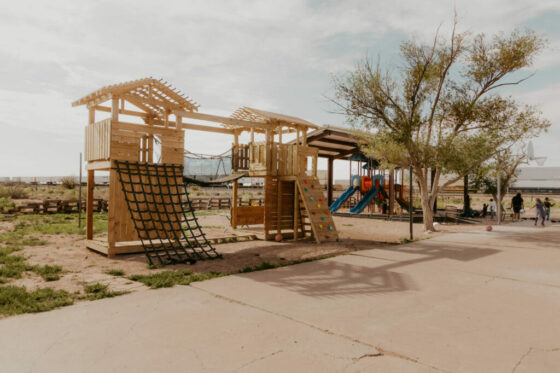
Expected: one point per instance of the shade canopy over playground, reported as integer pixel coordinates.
(333, 142)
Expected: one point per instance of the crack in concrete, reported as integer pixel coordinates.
(258, 359)
(521, 359)
(367, 355)
(498, 277)
(529, 351)
(381, 351)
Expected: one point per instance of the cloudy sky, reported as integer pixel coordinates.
(273, 55)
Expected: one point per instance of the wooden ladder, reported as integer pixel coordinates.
(318, 214)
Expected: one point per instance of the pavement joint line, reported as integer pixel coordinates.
(498, 277)
(381, 351)
(373, 257)
(492, 245)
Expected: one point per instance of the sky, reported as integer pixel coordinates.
(273, 55)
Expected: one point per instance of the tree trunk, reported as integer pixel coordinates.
(427, 204)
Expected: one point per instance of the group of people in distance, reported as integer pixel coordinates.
(517, 204)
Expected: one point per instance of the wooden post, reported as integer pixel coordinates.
(410, 205)
(296, 211)
(234, 155)
(150, 145)
(115, 109)
(89, 204)
(179, 122)
(432, 179)
(91, 118)
(330, 164)
(279, 209)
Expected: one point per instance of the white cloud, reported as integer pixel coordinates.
(276, 55)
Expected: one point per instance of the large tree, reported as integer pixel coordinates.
(441, 109)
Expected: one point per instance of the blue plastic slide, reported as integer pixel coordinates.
(340, 200)
(366, 199)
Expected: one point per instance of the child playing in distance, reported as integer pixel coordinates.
(547, 206)
(492, 208)
(540, 211)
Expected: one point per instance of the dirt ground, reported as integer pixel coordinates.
(82, 266)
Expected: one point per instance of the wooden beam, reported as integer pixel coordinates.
(224, 120)
(345, 153)
(133, 113)
(171, 131)
(330, 164)
(334, 141)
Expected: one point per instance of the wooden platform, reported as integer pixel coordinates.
(135, 247)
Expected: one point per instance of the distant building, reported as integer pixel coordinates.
(537, 179)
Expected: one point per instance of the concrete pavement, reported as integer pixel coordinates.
(467, 302)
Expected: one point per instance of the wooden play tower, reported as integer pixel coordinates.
(146, 117)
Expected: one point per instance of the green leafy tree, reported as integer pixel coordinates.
(506, 164)
(441, 109)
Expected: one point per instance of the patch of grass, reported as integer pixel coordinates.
(6, 204)
(209, 212)
(99, 291)
(27, 227)
(48, 272)
(12, 265)
(17, 299)
(261, 267)
(115, 272)
(167, 279)
(348, 225)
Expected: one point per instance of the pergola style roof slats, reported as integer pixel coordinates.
(267, 117)
(156, 97)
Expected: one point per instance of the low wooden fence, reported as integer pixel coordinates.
(57, 206)
(52, 206)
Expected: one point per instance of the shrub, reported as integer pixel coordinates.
(13, 191)
(68, 182)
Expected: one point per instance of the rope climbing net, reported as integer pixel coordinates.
(162, 213)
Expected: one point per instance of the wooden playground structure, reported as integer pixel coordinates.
(147, 114)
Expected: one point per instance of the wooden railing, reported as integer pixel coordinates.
(281, 159)
(98, 141)
(240, 157)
